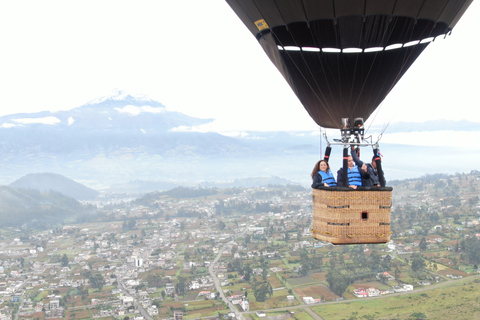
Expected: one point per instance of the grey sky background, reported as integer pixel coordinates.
(196, 57)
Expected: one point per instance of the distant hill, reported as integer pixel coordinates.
(31, 207)
(141, 186)
(46, 182)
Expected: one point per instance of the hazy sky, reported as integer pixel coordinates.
(198, 58)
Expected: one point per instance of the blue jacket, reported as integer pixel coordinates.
(355, 177)
(323, 177)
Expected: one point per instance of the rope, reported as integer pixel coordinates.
(379, 235)
(356, 198)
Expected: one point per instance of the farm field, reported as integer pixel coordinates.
(459, 301)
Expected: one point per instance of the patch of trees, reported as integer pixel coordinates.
(262, 290)
(471, 249)
(309, 262)
(188, 213)
(181, 287)
(130, 225)
(154, 280)
(95, 279)
(360, 267)
(338, 281)
(418, 263)
(230, 207)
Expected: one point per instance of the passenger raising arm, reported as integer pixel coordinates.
(355, 175)
(373, 179)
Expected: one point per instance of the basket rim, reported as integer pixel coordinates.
(348, 189)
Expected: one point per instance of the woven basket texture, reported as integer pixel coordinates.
(352, 216)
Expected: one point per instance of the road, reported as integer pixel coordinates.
(123, 289)
(211, 269)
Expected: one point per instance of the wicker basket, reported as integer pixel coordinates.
(347, 216)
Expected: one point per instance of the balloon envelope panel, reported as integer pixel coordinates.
(342, 57)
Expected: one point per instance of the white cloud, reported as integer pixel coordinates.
(186, 129)
(237, 134)
(8, 125)
(143, 131)
(135, 111)
(45, 120)
(70, 120)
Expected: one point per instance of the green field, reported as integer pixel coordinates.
(460, 300)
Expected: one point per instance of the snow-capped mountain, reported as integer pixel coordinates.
(123, 137)
(118, 110)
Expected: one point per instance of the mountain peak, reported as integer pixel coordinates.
(120, 95)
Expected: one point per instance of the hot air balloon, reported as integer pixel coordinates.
(342, 58)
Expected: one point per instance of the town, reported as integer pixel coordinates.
(240, 252)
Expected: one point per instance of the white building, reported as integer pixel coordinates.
(308, 300)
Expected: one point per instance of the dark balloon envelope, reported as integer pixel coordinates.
(342, 57)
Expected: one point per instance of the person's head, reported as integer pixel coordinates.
(323, 166)
(318, 167)
(350, 162)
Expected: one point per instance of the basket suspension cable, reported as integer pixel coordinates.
(320, 138)
(328, 148)
(379, 137)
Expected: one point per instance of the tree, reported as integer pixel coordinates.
(397, 272)
(154, 280)
(22, 262)
(247, 239)
(64, 260)
(221, 225)
(261, 291)
(264, 274)
(423, 244)
(418, 264)
(387, 262)
(181, 286)
(337, 281)
(96, 281)
(471, 247)
(247, 271)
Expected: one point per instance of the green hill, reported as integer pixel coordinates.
(21, 206)
(46, 182)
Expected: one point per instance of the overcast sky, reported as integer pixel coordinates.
(197, 57)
